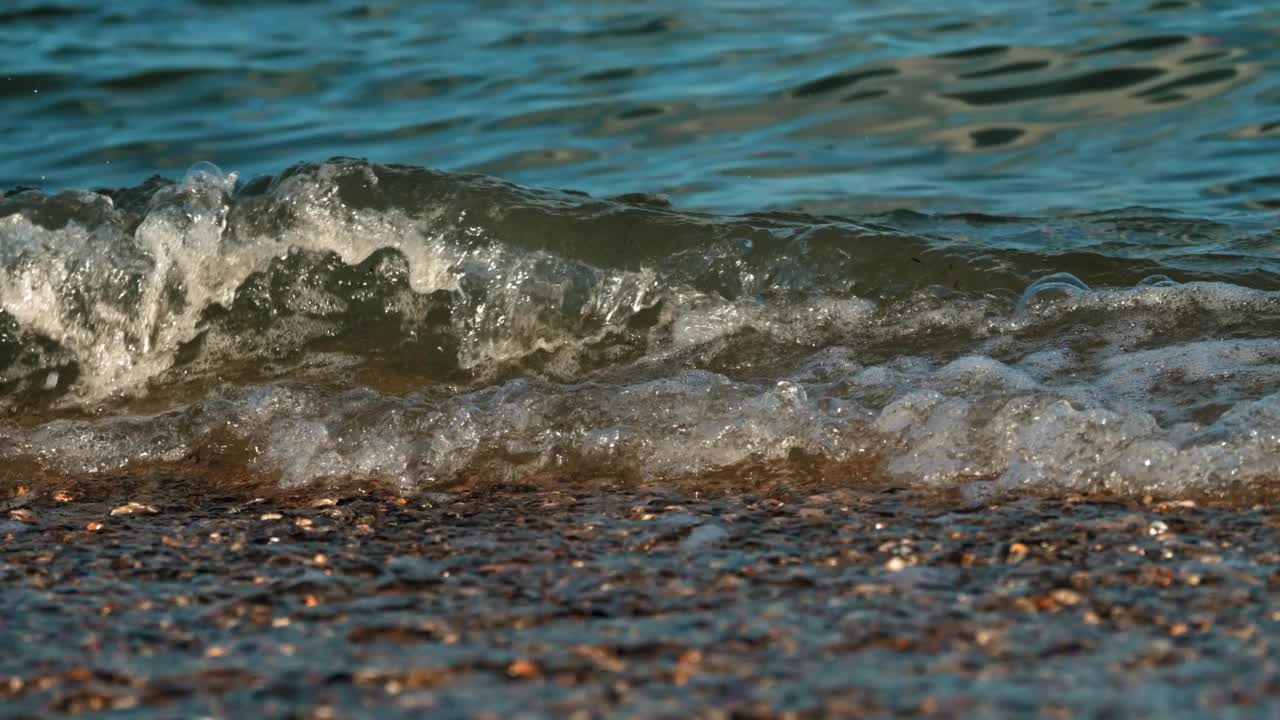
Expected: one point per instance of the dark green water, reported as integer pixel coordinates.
(990, 244)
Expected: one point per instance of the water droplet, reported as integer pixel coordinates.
(201, 170)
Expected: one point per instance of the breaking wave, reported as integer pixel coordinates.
(350, 320)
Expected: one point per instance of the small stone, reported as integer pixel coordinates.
(811, 513)
(1017, 553)
(23, 515)
(524, 669)
(134, 508)
(687, 666)
(1066, 596)
(702, 536)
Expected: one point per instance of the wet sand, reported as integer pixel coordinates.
(635, 603)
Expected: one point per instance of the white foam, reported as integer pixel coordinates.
(703, 319)
(935, 431)
(1161, 387)
(124, 305)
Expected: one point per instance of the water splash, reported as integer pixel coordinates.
(347, 320)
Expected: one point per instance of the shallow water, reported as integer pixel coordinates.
(994, 248)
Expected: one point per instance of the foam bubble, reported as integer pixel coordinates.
(1051, 289)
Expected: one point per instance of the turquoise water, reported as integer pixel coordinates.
(998, 107)
(975, 245)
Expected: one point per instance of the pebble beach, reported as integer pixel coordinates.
(830, 602)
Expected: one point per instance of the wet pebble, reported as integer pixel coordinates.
(134, 508)
(703, 536)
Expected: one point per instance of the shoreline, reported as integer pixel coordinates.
(636, 603)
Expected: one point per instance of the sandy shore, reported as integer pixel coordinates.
(644, 603)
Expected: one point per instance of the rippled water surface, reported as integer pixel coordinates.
(734, 106)
(993, 246)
